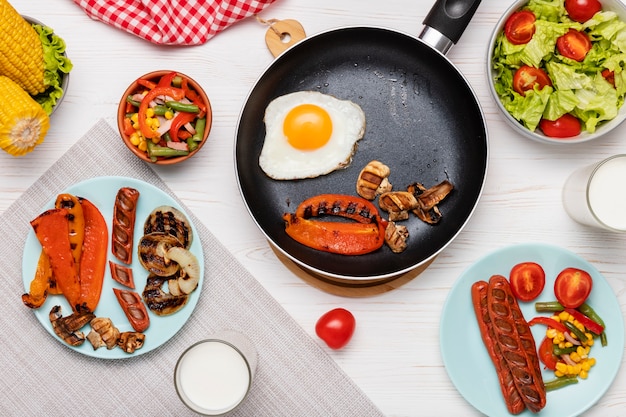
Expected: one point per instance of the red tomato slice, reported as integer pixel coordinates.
(609, 76)
(574, 45)
(527, 280)
(565, 126)
(526, 77)
(336, 327)
(572, 287)
(520, 27)
(582, 10)
(546, 354)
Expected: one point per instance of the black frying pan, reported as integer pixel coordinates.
(423, 121)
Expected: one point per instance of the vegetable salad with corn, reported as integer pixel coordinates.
(574, 352)
(165, 117)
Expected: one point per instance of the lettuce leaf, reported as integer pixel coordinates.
(57, 66)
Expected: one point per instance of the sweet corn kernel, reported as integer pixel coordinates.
(583, 374)
(169, 115)
(575, 356)
(134, 118)
(156, 139)
(561, 367)
(150, 112)
(551, 333)
(135, 139)
(585, 366)
(143, 146)
(564, 316)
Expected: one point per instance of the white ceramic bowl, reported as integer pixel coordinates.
(614, 5)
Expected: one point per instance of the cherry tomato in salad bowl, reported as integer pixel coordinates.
(582, 10)
(336, 327)
(566, 126)
(527, 280)
(520, 27)
(572, 287)
(527, 77)
(574, 45)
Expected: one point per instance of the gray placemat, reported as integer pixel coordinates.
(40, 376)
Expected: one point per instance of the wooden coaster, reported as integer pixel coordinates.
(349, 288)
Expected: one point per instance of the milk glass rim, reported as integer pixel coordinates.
(185, 400)
(591, 176)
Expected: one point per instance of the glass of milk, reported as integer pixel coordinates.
(594, 196)
(213, 376)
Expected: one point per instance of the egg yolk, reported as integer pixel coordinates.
(307, 127)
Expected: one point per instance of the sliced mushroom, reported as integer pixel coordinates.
(107, 331)
(67, 328)
(373, 180)
(397, 204)
(428, 199)
(396, 237)
(131, 341)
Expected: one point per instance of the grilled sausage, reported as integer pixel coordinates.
(124, 213)
(503, 310)
(512, 399)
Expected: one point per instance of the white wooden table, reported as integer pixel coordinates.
(394, 356)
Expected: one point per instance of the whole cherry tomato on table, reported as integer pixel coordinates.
(582, 10)
(520, 27)
(336, 327)
(572, 287)
(527, 280)
(565, 126)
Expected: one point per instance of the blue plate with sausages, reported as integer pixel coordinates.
(466, 359)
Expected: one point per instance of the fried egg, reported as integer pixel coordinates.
(309, 134)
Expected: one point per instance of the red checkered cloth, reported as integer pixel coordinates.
(172, 22)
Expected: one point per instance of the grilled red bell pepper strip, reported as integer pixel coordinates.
(146, 83)
(548, 321)
(175, 93)
(355, 208)
(336, 237)
(589, 324)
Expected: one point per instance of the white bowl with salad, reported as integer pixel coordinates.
(557, 69)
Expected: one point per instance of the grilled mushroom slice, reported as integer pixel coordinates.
(428, 199)
(67, 328)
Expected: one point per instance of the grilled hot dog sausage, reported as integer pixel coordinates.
(512, 399)
(124, 212)
(503, 311)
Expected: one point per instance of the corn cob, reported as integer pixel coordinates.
(23, 123)
(21, 51)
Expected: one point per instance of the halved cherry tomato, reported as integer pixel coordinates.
(582, 10)
(520, 27)
(527, 280)
(565, 126)
(336, 327)
(526, 77)
(546, 355)
(609, 76)
(572, 287)
(574, 45)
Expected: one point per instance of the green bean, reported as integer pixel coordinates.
(200, 126)
(160, 110)
(184, 107)
(548, 307)
(558, 351)
(560, 382)
(177, 81)
(577, 332)
(166, 136)
(192, 144)
(591, 313)
(155, 150)
(130, 100)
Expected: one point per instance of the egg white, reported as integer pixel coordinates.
(281, 161)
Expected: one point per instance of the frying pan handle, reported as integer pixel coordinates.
(446, 22)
